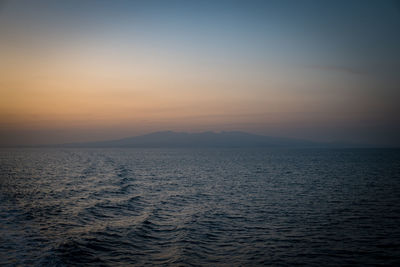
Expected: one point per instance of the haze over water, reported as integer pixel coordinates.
(199, 207)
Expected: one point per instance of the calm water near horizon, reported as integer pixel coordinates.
(199, 207)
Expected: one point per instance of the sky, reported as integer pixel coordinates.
(96, 70)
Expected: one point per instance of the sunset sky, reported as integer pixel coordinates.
(93, 70)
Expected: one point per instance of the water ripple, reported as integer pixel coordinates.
(218, 207)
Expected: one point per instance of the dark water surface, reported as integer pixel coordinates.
(192, 207)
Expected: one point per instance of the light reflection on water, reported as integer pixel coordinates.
(199, 207)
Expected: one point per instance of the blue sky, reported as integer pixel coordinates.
(308, 69)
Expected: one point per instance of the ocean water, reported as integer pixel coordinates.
(199, 207)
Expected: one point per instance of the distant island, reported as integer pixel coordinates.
(202, 139)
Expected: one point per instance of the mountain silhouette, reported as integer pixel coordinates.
(203, 139)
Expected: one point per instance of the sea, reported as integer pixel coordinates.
(199, 207)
